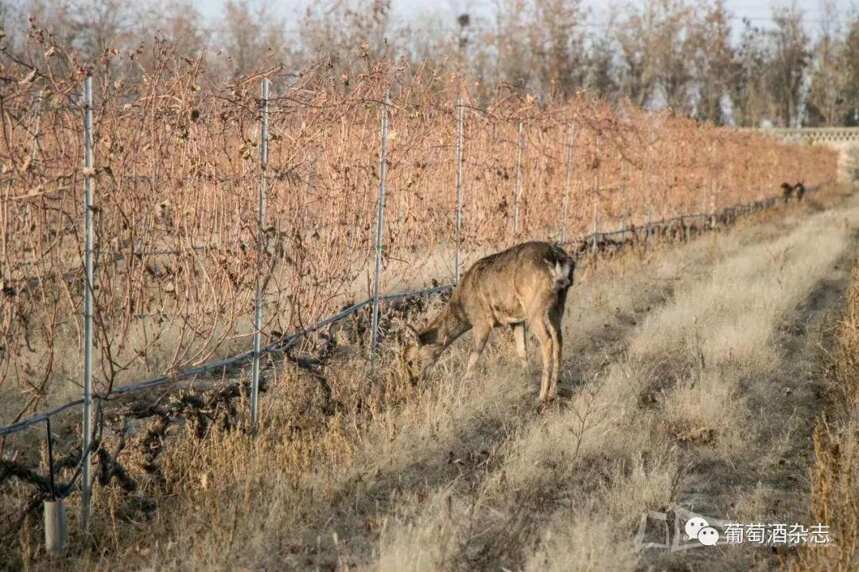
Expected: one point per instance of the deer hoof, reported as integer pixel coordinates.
(544, 406)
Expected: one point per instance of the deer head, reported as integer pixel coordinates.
(420, 353)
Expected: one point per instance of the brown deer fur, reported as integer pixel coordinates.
(525, 284)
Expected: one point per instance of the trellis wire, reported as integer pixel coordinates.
(86, 481)
(380, 225)
(263, 163)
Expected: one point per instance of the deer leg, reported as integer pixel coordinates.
(555, 330)
(481, 335)
(519, 339)
(539, 325)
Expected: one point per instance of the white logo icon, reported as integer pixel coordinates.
(694, 526)
(708, 536)
(697, 527)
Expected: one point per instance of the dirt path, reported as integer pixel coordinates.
(484, 492)
(774, 487)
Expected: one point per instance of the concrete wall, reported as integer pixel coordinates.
(845, 140)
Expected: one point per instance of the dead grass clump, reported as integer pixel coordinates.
(584, 541)
(598, 533)
(835, 472)
(427, 540)
(707, 409)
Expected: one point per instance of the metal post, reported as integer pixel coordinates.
(86, 481)
(596, 194)
(263, 164)
(56, 534)
(380, 225)
(649, 230)
(568, 178)
(713, 186)
(518, 182)
(622, 187)
(459, 138)
(38, 129)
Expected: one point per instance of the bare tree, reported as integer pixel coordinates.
(654, 44)
(713, 59)
(92, 27)
(347, 34)
(791, 56)
(252, 35)
(825, 104)
(601, 75)
(558, 45)
(750, 96)
(850, 71)
(178, 22)
(681, 54)
(514, 55)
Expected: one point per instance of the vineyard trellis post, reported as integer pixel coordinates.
(380, 225)
(714, 177)
(459, 143)
(56, 534)
(261, 243)
(37, 110)
(626, 222)
(519, 145)
(649, 224)
(568, 176)
(86, 439)
(596, 191)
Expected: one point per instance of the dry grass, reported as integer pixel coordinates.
(835, 472)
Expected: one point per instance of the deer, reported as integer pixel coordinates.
(786, 191)
(523, 285)
(799, 189)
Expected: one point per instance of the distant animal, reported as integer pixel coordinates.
(525, 284)
(799, 189)
(786, 191)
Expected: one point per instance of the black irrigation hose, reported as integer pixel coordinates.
(288, 341)
(51, 459)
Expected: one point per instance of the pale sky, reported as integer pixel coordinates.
(756, 10)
